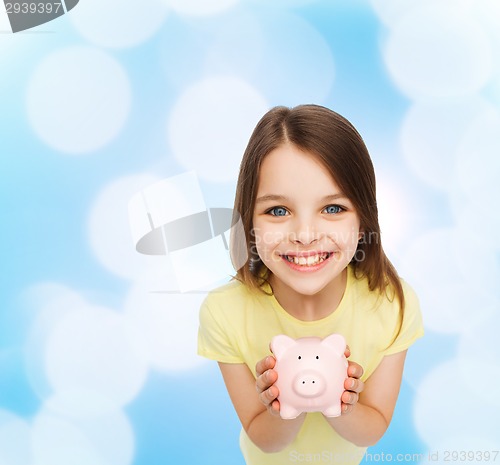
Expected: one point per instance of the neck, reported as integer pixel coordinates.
(310, 307)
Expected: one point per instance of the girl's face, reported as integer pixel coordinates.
(306, 230)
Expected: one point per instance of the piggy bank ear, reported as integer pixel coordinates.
(281, 343)
(335, 342)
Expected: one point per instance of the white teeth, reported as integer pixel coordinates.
(307, 261)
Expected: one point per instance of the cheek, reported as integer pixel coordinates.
(346, 238)
(268, 236)
(266, 243)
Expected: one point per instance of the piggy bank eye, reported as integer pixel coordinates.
(299, 357)
(317, 357)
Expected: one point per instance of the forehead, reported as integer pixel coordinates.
(289, 170)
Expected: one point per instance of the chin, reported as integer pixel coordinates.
(304, 286)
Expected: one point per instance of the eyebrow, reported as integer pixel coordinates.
(282, 198)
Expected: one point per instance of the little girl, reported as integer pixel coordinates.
(306, 196)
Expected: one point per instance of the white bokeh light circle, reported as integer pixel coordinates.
(210, 125)
(431, 134)
(101, 440)
(478, 161)
(50, 294)
(484, 340)
(59, 442)
(475, 182)
(200, 7)
(48, 302)
(487, 369)
(487, 12)
(97, 350)
(237, 46)
(78, 99)
(118, 23)
(476, 188)
(15, 439)
(297, 65)
(110, 235)
(396, 216)
(80, 403)
(439, 415)
(436, 51)
(283, 4)
(391, 11)
(170, 323)
(445, 268)
(495, 88)
(485, 221)
(480, 267)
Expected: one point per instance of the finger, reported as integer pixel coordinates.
(275, 407)
(353, 384)
(347, 408)
(261, 366)
(354, 370)
(268, 396)
(347, 352)
(350, 384)
(349, 397)
(267, 379)
(265, 364)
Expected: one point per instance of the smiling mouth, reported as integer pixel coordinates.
(311, 260)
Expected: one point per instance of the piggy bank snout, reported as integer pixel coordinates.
(310, 383)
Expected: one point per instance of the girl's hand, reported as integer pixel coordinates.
(353, 385)
(268, 392)
(266, 377)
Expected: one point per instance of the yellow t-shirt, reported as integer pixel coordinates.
(237, 324)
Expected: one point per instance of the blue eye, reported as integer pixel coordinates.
(277, 211)
(333, 209)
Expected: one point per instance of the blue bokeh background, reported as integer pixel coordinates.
(97, 346)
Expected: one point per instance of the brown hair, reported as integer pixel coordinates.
(339, 147)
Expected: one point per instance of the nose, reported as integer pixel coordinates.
(309, 384)
(304, 232)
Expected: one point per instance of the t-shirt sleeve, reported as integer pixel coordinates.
(412, 327)
(214, 342)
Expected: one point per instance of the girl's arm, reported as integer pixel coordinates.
(266, 429)
(369, 418)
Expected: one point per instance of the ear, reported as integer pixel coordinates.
(280, 344)
(335, 342)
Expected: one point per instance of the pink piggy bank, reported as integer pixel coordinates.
(311, 374)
